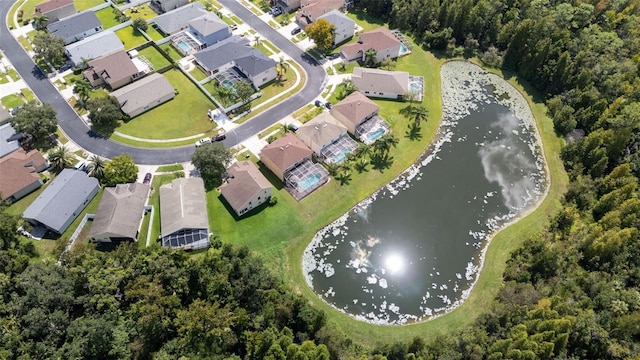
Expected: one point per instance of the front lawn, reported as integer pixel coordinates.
(107, 17)
(12, 101)
(185, 115)
(131, 37)
(155, 57)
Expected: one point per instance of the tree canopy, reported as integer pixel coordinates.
(38, 121)
(120, 170)
(322, 33)
(104, 112)
(49, 47)
(211, 160)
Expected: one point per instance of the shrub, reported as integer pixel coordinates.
(273, 201)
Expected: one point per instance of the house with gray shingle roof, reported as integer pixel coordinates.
(251, 62)
(381, 83)
(245, 187)
(7, 142)
(94, 46)
(55, 10)
(177, 20)
(344, 27)
(119, 213)
(76, 27)
(354, 110)
(62, 201)
(183, 214)
(320, 132)
(168, 5)
(144, 94)
(209, 29)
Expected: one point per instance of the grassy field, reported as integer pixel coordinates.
(82, 5)
(183, 116)
(155, 145)
(170, 168)
(155, 57)
(131, 37)
(171, 51)
(197, 73)
(140, 11)
(154, 34)
(107, 17)
(12, 101)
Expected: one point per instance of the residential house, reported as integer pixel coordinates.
(345, 28)
(183, 214)
(144, 94)
(287, 5)
(62, 201)
(209, 29)
(245, 187)
(233, 53)
(76, 27)
(311, 10)
(285, 154)
(354, 110)
(320, 132)
(120, 213)
(94, 46)
(114, 70)
(381, 40)
(168, 5)
(8, 141)
(19, 173)
(5, 116)
(55, 10)
(177, 20)
(381, 83)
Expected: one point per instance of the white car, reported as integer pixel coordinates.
(203, 141)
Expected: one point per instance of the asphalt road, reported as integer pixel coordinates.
(82, 135)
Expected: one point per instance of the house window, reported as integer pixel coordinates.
(258, 197)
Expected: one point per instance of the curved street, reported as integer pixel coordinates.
(75, 128)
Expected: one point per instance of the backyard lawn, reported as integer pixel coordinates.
(183, 116)
(154, 34)
(131, 37)
(155, 57)
(140, 11)
(171, 51)
(82, 5)
(107, 17)
(197, 73)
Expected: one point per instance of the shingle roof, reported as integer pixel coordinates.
(143, 92)
(245, 181)
(7, 147)
(286, 151)
(320, 130)
(355, 107)
(52, 5)
(66, 193)
(18, 170)
(338, 19)
(94, 46)
(183, 205)
(4, 115)
(208, 23)
(179, 18)
(74, 24)
(378, 39)
(112, 67)
(120, 210)
(315, 9)
(250, 60)
(376, 80)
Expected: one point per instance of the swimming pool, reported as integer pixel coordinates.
(415, 87)
(374, 135)
(227, 83)
(184, 46)
(403, 49)
(338, 158)
(308, 182)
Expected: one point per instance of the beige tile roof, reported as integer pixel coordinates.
(183, 205)
(112, 67)
(245, 181)
(142, 92)
(120, 210)
(18, 170)
(356, 107)
(320, 130)
(376, 80)
(378, 39)
(317, 8)
(286, 151)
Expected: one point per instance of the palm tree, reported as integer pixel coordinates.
(384, 144)
(418, 113)
(60, 157)
(83, 89)
(370, 57)
(40, 21)
(257, 41)
(282, 67)
(226, 93)
(364, 150)
(333, 168)
(96, 166)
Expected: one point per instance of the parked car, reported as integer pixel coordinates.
(219, 137)
(147, 178)
(328, 105)
(295, 30)
(318, 103)
(203, 141)
(65, 67)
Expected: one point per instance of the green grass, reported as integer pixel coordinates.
(131, 37)
(141, 11)
(154, 34)
(236, 20)
(25, 43)
(170, 168)
(61, 137)
(107, 17)
(228, 20)
(154, 145)
(155, 57)
(82, 5)
(269, 130)
(366, 21)
(18, 207)
(12, 101)
(265, 50)
(183, 116)
(43, 66)
(171, 51)
(3, 78)
(197, 73)
(348, 69)
(28, 94)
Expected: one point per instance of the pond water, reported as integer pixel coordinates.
(413, 250)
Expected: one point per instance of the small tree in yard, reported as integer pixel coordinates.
(120, 170)
(49, 47)
(104, 112)
(59, 158)
(83, 88)
(244, 91)
(37, 121)
(211, 160)
(140, 24)
(322, 33)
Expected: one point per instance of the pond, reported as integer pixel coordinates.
(413, 250)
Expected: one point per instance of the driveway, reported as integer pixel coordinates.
(75, 128)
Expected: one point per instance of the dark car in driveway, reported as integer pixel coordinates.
(295, 30)
(328, 105)
(219, 137)
(147, 178)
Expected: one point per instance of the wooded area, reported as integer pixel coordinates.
(571, 292)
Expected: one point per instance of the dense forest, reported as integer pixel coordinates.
(572, 292)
